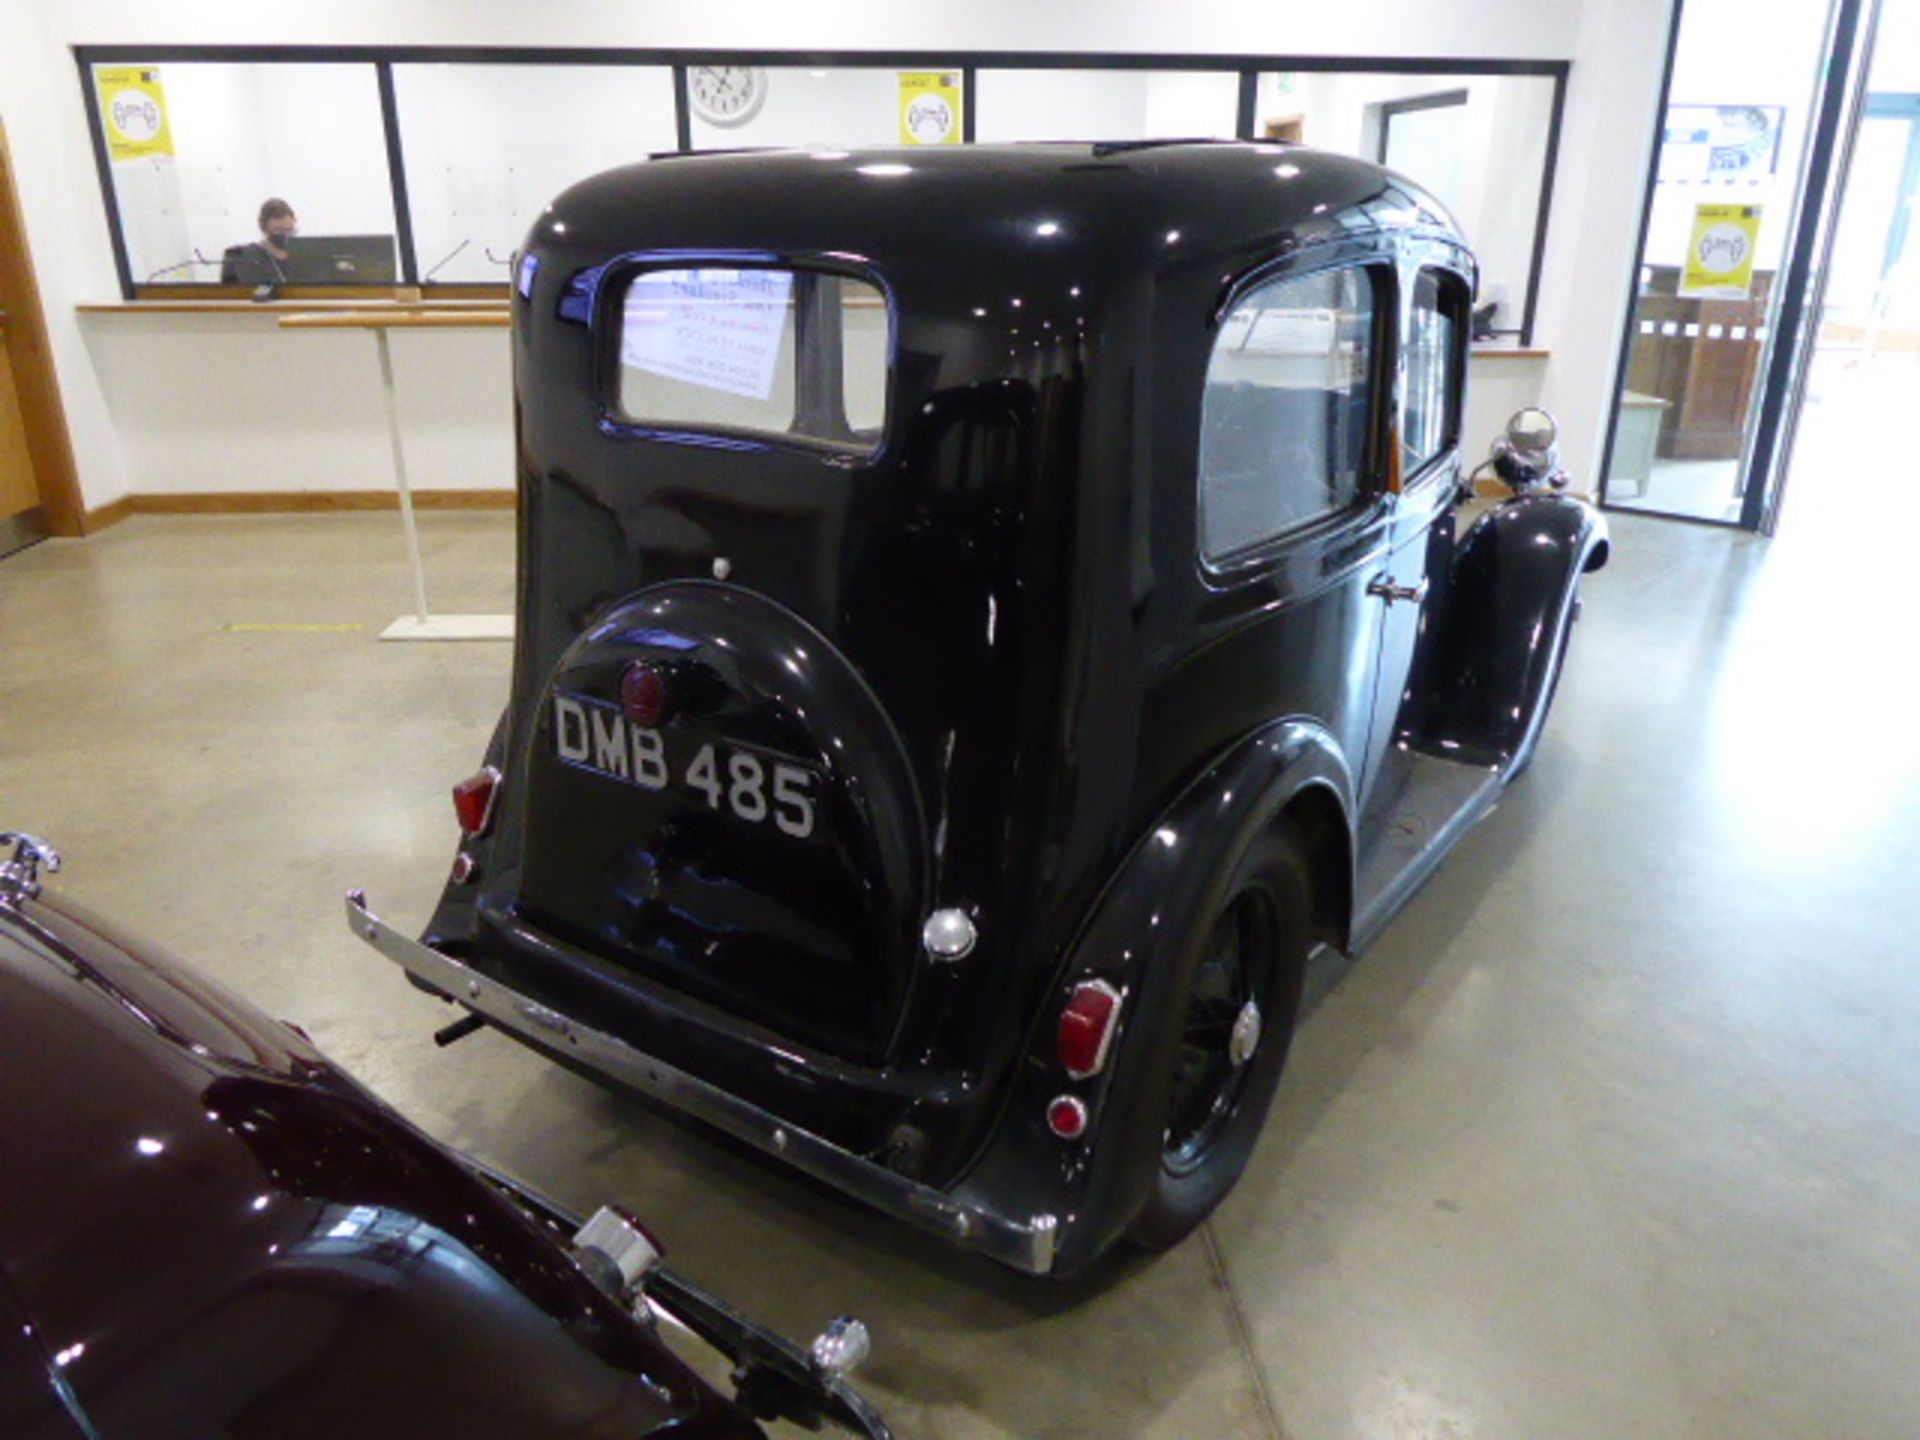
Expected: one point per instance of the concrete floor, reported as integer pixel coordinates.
(1612, 1134)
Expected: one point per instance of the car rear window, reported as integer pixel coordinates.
(794, 354)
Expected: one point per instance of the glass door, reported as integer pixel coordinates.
(1740, 178)
(1865, 366)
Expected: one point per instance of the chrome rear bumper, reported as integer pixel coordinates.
(1026, 1245)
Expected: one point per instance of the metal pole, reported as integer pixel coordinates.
(400, 477)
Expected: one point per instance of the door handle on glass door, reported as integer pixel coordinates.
(1385, 588)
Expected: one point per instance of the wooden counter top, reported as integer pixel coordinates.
(370, 318)
(277, 308)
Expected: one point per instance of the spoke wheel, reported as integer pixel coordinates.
(1229, 1004)
(1223, 1008)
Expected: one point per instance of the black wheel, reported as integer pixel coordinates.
(1239, 990)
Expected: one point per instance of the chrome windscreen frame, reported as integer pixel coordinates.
(1028, 1245)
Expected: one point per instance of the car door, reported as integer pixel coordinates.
(1433, 332)
(1294, 506)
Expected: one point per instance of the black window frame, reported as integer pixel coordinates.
(1255, 556)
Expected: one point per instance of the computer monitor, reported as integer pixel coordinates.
(341, 260)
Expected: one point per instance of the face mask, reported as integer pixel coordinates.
(280, 238)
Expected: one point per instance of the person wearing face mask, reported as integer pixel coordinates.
(267, 261)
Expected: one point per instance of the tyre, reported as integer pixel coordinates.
(1240, 984)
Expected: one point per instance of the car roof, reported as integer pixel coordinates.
(1079, 206)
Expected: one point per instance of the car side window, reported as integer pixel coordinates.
(1285, 413)
(1431, 424)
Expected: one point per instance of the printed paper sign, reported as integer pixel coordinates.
(719, 329)
(1720, 254)
(133, 111)
(930, 107)
(1720, 142)
(1293, 332)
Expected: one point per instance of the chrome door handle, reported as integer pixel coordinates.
(1384, 587)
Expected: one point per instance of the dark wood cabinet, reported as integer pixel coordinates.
(1701, 356)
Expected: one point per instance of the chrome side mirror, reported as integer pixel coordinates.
(1525, 455)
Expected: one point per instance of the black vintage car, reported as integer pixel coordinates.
(207, 1229)
(985, 617)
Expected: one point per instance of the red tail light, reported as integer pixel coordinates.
(643, 694)
(1086, 1027)
(473, 800)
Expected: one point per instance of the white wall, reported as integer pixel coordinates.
(66, 229)
(1191, 106)
(1060, 105)
(1615, 46)
(1609, 125)
(1104, 105)
(230, 402)
(1896, 49)
(1501, 162)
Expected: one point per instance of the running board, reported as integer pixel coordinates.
(1439, 801)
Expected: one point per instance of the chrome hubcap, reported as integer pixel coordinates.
(1245, 1038)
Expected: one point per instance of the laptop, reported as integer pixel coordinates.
(341, 260)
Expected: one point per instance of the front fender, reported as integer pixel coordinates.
(1510, 601)
(1133, 939)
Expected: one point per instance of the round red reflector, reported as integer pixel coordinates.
(643, 693)
(1067, 1116)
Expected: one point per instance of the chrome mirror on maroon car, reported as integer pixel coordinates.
(20, 875)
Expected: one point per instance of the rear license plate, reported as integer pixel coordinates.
(751, 784)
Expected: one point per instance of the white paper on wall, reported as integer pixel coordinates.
(719, 329)
(477, 191)
(203, 190)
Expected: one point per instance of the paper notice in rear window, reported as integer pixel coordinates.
(723, 330)
(797, 354)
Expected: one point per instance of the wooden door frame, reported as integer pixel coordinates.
(45, 419)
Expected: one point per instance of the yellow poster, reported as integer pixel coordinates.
(930, 107)
(1720, 254)
(133, 108)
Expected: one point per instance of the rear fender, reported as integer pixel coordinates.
(1509, 604)
(1133, 941)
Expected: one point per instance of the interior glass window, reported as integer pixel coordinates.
(488, 145)
(1433, 363)
(249, 173)
(787, 353)
(1284, 416)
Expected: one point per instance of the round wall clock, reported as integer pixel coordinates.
(726, 94)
